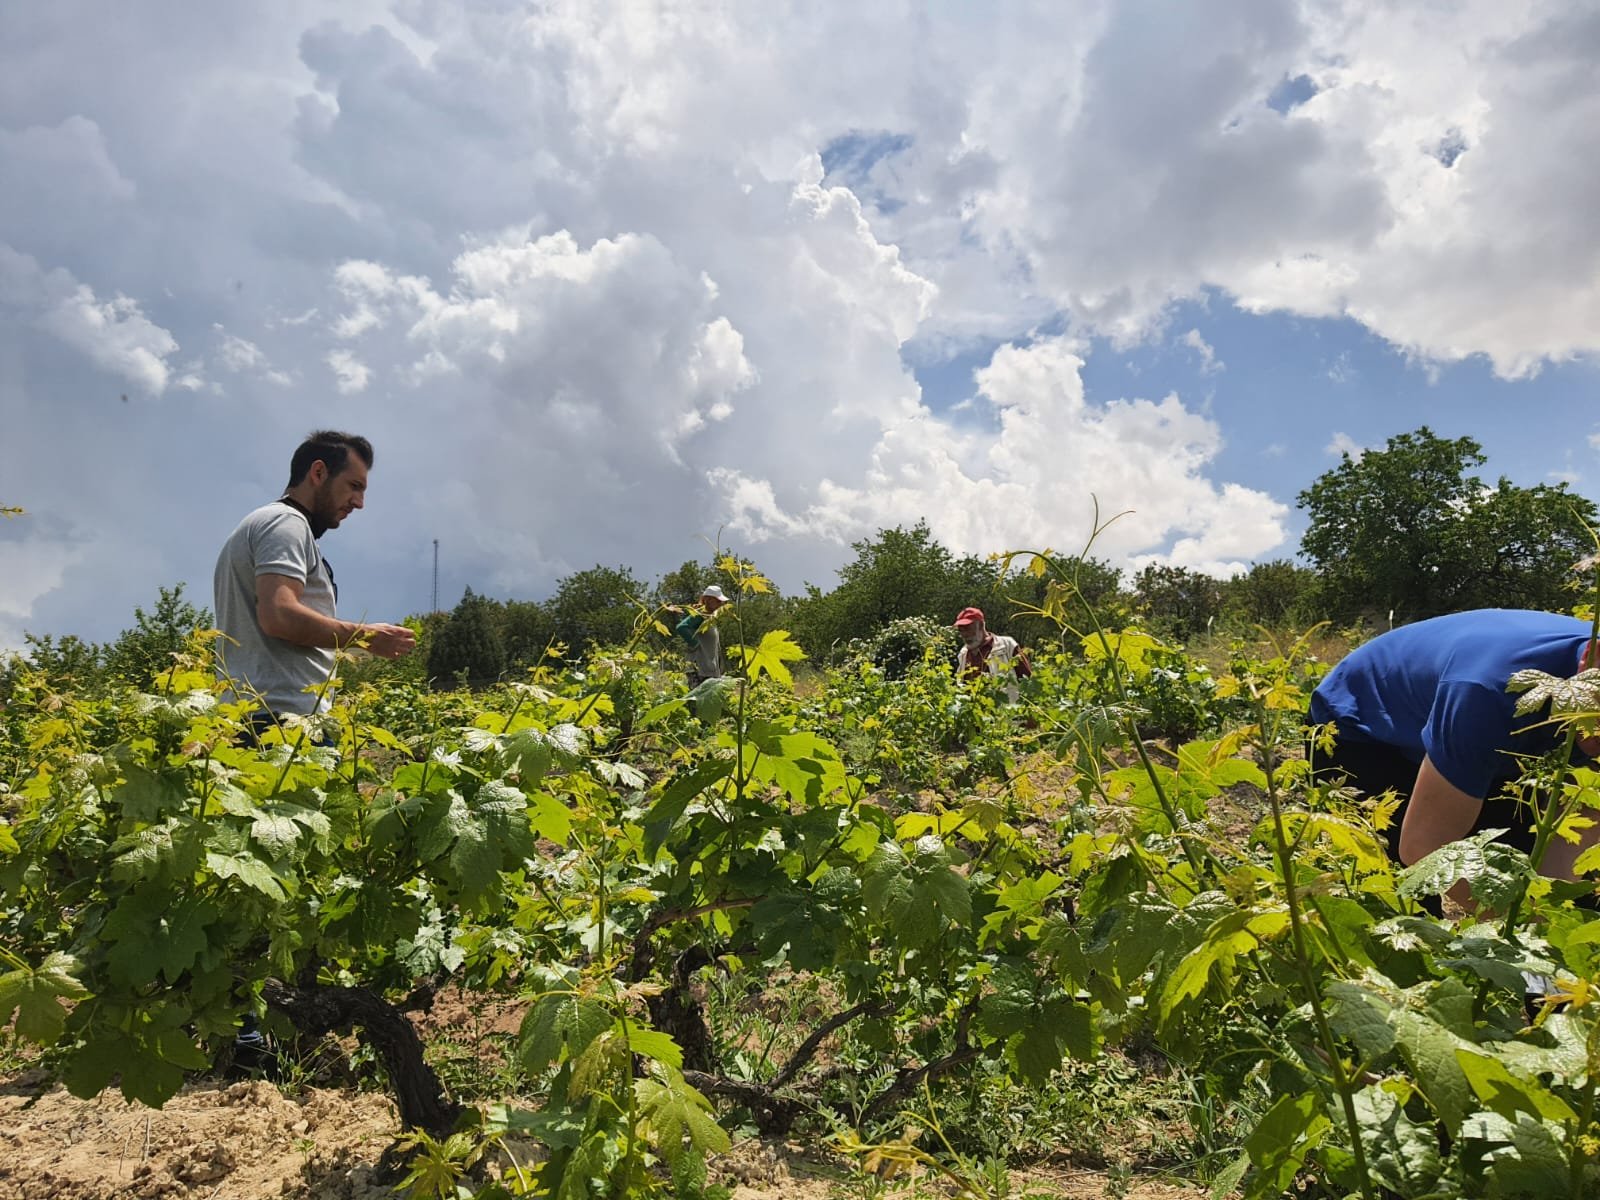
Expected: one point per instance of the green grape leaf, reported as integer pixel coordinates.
(1431, 1050)
(495, 836)
(276, 834)
(1502, 1092)
(915, 897)
(800, 763)
(770, 657)
(713, 696)
(618, 775)
(1279, 1143)
(93, 1065)
(248, 870)
(533, 752)
(34, 994)
(1401, 1154)
(170, 849)
(444, 820)
(151, 1063)
(234, 801)
(1022, 903)
(675, 798)
(656, 1045)
(1496, 872)
(147, 797)
(1127, 937)
(1532, 1159)
(1361, 1015)
(1485, 954)
(559, 1027)
(550, 818)
(1073, 1023)
(1573, 696)
(153, 931)
(370, 913)
(814, 925)
(1061, 945)
(1011, 1004)
(1224, 942)
(1035, 1053)
(677, 1119)
(1357, 844)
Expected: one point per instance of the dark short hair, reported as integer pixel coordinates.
(331, 448)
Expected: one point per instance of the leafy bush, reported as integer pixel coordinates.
(901, 644)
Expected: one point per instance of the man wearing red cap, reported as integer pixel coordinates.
(985, 653)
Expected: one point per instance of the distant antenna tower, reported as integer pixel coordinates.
(435, 607)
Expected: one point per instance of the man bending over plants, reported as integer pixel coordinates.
(274, 592)
(985, 653)
(1424, 710)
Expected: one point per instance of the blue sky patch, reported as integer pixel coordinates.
(1291, 94)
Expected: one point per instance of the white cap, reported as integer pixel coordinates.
(715, 593)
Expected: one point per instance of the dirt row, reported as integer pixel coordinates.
(253, 1141)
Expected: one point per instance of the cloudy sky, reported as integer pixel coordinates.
(601, 281)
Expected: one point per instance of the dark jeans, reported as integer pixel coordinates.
(1373, 768)
(257, 723)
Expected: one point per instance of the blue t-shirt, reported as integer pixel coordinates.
(1438, 688)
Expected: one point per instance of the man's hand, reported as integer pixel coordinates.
(386, 641)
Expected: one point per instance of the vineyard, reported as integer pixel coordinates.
(873, 908)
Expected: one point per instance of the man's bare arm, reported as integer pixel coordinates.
(1439, 813)
(284, 615)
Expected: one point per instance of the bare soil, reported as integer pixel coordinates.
(214, 1141)
(251, 1140)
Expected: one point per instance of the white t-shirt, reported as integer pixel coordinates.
(999, 660)
(273, 540)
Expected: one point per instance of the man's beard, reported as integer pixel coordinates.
(324, 512)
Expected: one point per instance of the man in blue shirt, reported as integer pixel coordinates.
(1424, 709)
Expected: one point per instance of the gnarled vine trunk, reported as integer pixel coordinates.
(320, 1008)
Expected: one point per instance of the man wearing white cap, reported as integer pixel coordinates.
(703, 640)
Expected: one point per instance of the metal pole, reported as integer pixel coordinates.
(435, 575)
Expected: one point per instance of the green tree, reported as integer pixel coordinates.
(595, 607)
(1410, 529)
(67, 660)
(139, 654)
(684, 586)
(527, 630)
(468, 644)
(1276, 594)
(900, 573)
(1177, 602)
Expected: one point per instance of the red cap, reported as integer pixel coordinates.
(968, 615)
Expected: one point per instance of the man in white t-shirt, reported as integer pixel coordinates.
(985, 653)
(274, 592)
